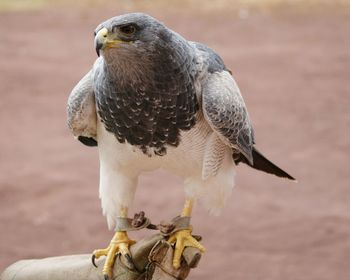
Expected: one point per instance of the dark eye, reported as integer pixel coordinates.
(127, 29)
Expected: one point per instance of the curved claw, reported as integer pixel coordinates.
(93, 257)
(106, 277)
(182, 239)
(130, 261)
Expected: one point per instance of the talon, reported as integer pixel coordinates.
(130, 261)
(119, 245)
(183, 239)
(93, 257)
(197, 237)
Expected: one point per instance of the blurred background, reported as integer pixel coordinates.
(291, 60)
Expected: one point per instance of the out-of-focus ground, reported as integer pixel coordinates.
(292, 62)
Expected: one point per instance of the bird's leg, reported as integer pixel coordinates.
(119, 244)
(187, 210)
(183, 237)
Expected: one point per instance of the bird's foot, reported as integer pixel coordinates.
(119, 244)
(183, 238)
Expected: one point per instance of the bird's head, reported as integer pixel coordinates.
(128, 34)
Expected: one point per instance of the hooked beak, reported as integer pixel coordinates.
(101, 40)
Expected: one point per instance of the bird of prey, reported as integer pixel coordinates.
(155, 100)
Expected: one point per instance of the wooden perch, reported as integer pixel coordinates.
(152, 257)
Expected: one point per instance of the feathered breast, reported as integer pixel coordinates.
(149, 112)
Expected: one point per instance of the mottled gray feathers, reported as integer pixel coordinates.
(147, 105)
(212, 59)
(81, 108)
(223, 105)
(225, 111)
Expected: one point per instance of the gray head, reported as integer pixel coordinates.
(129, 35)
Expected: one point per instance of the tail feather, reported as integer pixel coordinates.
(263, 164)
(87, 141)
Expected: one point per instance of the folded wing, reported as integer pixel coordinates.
(81, 111)
(225, 111)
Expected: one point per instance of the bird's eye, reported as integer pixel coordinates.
(128, 29)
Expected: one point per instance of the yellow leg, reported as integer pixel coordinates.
(187, 210)
(119, 244)
(183, 238)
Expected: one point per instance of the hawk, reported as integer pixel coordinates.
(155, 100)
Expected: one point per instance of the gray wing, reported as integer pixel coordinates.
(81, 109)
(225, 111)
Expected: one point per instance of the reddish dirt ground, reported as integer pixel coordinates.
(293, 71)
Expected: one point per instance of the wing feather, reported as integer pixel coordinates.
(225, 111)
(81, 109)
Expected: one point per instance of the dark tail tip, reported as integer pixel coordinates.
(263, 164)
(87, 141)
